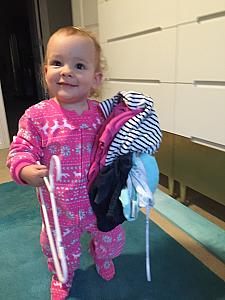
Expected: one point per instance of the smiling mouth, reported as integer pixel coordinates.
(67, 84)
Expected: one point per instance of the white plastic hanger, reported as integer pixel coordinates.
(56, 247)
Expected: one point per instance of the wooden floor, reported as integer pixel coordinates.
(4, 172)
(214, 264)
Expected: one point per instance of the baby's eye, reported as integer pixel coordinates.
(56, 63)
(80, 66)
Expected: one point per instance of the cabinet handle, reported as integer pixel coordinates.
(137, 80)
(131, 35)
(201, 19)
(208, 83)
(207, 143)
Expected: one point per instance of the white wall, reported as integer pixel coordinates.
(173, 51)
(4, 134)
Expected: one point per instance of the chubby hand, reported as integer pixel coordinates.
(33, 174)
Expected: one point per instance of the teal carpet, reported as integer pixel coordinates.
(176, 274)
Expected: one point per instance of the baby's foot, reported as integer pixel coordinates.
(59, 291)
(104, 267)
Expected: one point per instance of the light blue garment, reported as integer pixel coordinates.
(152, 170)
(142, 182)
(143, 176)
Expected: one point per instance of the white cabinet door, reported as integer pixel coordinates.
(147, 57)
(118, 18)
(201, 51)
(199, 114)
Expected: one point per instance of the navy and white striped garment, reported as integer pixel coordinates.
(141, 133)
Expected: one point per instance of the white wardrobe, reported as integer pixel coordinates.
(173, 51)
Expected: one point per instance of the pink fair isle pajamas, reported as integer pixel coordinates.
(47, 129)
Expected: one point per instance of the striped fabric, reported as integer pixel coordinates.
(141, 133)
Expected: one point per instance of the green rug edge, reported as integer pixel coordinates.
(211, 236)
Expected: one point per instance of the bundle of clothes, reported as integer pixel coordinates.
(123, 175)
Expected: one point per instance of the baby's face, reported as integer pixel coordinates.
(70, 71)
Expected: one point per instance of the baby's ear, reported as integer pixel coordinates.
(97, 80)
(45, 68)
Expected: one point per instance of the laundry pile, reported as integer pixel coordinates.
(118, 182)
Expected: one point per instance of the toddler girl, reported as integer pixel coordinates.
(66, 125)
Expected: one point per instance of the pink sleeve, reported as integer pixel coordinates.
(25, 149)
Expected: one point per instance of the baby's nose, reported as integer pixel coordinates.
(67, 71)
